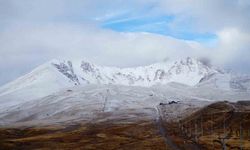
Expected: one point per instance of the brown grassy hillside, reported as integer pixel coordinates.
(218, 125)
(101, 136)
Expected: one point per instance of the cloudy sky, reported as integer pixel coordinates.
(122, 32)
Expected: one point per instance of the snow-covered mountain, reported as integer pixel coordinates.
(187, 71)
(66, 90)
(226, 81)
(55, 75)
(88, 102)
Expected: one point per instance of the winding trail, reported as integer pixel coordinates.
(167, 139)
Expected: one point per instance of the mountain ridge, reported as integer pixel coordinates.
(71, 90)
(57, 74)
(188, 71)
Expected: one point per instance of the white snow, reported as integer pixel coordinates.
(60, 91)
(87, 102)
(42, 81)
(188, 71)
(56, 75)
(226, 81)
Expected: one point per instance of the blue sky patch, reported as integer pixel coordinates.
(158, 25)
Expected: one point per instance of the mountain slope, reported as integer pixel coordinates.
(42, 81)
(56, 75)
(44, 76)
(226, 81)
(88, 102)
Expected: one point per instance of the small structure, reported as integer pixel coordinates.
(169, 103)
(173, 102)
(162, 104)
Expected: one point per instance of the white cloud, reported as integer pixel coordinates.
(106, 46)
(233, 48)
(34, 31)
(210, 15)
(33, 44)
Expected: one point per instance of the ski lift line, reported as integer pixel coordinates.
(226, 136)
(229, 111)
(199, 118)
(209, 106)
(215, 113)
(196, 120)
(187, 125)
(105, 100)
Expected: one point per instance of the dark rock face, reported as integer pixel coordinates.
(67, 70)
(159, 74)
(87, 67)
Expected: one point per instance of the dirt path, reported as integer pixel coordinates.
(168, 140)
(163, 132)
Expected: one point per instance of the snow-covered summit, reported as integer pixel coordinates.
(44, 78)
(64, 90)
(187, 71)
(59, 74)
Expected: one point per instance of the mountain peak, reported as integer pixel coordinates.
(59, 74)
(187, 71)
